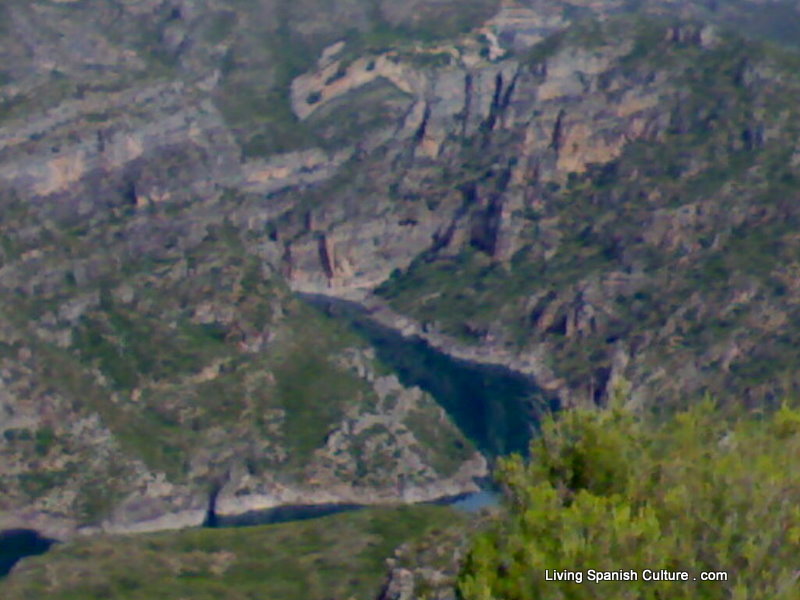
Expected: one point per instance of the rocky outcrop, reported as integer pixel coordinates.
(575, 124)
(428, 568)
(400, 585)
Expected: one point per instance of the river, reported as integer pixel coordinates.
(16, 544)
(496, 408)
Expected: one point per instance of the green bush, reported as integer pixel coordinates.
(607, 491)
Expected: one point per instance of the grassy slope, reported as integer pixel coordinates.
(341, 556)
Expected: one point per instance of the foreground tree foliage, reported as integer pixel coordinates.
(608, 491)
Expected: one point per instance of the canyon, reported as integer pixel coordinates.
(239, 240)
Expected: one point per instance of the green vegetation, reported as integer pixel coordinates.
(419, 23)
(357, 113)
(128, 347)
(446, 447)
(341, 556)
(314, 394)
(259, 111)
(696, 215)
(36, 484)
(606, 490)
(258, 69)
(56, 88)
(176, 411)
(219, 26)
(470, 310)
(775, 21)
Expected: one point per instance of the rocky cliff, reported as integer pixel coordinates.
(567, 189)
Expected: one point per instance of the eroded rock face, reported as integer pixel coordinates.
(555, 117)
(65, 471)
(400, 585)
(171, 171)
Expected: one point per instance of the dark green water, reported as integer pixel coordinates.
(16, 544)
(498, 409)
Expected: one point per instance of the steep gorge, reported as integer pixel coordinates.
(570, 205)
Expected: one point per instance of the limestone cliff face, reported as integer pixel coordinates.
(476, 210)
(171, 171)
(555, 117)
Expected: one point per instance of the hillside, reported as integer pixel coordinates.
(342, 556)
(568, 193)
(640, 225)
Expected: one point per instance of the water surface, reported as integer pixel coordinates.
(496, 408)
(16, 544)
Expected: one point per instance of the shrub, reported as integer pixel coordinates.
(607, 491)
